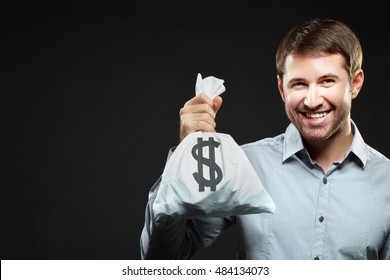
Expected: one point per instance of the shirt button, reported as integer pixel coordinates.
(321, 219)
(324, 180)
(316, 258)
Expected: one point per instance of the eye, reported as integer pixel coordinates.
(328, 82)
(298, 85)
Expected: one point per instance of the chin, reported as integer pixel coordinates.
(315, 136)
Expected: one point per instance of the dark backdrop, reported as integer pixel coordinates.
(90, 96)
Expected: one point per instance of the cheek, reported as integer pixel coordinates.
(347, 98)
(292, 101)
(340, 99)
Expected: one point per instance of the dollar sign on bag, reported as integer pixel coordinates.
(214, 169)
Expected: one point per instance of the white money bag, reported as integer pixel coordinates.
(209, 174)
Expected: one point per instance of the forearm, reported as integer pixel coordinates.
(170, 238)
(166, 240)
(163, 237)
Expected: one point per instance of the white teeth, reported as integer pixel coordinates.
(315, 115)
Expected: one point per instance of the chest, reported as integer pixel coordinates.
(340, 215)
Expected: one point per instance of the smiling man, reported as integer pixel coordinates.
(331, 189)
(318, 93)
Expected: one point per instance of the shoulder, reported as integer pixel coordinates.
(378, 166)
(271, 144)
(375, 156)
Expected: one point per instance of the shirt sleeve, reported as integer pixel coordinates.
(385, 252)
(170, 238)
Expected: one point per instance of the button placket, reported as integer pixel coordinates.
(319, 230)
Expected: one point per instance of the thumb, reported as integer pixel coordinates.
(217, 103)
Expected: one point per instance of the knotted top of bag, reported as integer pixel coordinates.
(211, 86)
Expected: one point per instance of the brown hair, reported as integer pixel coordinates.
(321, 36)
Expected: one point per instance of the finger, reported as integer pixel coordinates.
(199, 99)
(190, 125)
(197, 109)
(196, 115)
(199, 117)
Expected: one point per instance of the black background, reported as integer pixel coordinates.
(90, 95)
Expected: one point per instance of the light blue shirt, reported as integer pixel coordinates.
(341, 214)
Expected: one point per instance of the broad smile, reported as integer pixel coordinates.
(315, 116)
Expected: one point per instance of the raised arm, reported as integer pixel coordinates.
(169, 238)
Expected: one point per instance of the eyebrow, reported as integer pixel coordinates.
(326, 76)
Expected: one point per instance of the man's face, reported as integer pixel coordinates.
(318, 95)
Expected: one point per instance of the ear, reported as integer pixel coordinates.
(280, 87)
(357, 83)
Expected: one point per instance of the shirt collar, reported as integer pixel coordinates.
(358, 145)
(293, 144)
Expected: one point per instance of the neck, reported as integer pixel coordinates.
(333, 149)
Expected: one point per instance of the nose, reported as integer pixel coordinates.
(313, 99)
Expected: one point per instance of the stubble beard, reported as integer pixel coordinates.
(322, 134)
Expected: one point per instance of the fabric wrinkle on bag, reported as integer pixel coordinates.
(209, 174)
